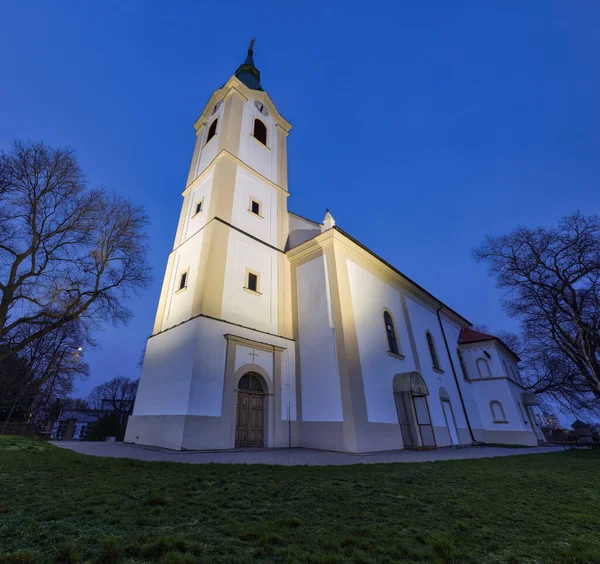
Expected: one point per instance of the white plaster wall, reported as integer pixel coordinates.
(370, 297)
(206, 397)
(166, 377)
(508, 395)
(208, 150)
(239, 305)
(452, 332)
(178, 305)
(321, 393)
(300, 231)
(254, 153)
(194, 222)
(246, 186)
(424, 319)
(247, 355)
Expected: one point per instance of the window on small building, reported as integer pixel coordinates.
(255, 207)
(252, 281)
(497, 411)
(505, 368)
(82, 431)
(391, 333)
(462, 364)
(483, 367)
(212, 130)
(432, 351)
(183, 280)
(260, 131)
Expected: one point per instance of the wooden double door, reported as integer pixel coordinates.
(250, 416)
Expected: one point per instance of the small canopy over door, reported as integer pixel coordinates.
(411, 393)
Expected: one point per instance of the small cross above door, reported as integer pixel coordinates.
(253, 354)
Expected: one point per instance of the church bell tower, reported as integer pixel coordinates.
(226, 261)
(227, 282)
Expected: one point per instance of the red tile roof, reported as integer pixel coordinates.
(472, 336)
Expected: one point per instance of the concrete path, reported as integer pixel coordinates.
(290, 456)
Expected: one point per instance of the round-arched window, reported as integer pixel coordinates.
(250, 382)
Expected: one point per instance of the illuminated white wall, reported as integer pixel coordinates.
(422, 320)
(370, 297)
(258, 311)
(196, 221)
(184, 369)
(178, 306)
(320, 381)
(164, 387)
(301, 230)
(254, 153)
(208, 151)
(248, 185)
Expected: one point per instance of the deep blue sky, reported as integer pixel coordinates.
(422, 126)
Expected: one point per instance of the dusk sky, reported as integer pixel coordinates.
(421, 126)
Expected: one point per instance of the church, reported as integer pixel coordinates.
(273, 330)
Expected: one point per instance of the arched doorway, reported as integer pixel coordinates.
(449, 417)
(250, 415)
(410, 393)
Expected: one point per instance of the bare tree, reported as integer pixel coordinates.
(116, 395)
(551, 279)
(42, 372)
(66, 253)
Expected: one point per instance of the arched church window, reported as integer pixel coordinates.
(260, 131)
(497, 411)
(212, 130)
(432, 351)
(391, 333)
(483, 367)
(250, 382)
(462, 364)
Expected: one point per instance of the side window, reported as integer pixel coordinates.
(183, 277)
(260, 131)
(497, 411)
(391, 333)
(199, 206)
(432, 351)
(255, 207)
(462, 364)
(505, 368)
(212, 130)
(252, 281)
(483, 367)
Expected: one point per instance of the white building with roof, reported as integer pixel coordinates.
(273, 330)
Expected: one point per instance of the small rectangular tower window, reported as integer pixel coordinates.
(199, 206)
(255, 207)
(183, 281)
(252, 281)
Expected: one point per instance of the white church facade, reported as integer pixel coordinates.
(274, 331)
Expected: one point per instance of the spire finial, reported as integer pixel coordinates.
(247, 71)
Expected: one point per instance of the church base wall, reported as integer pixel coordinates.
(379, 436)
(525, 438)
(164, 431)
(322, 435)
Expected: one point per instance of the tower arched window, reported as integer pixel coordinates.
(497, 411)
(260, 131)
(462, 364)
(212, 130)
(483, 367)
(432, 351)
(391, 333)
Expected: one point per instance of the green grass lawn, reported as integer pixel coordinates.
(58, 506)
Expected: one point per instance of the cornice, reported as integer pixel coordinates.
(226, 154)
